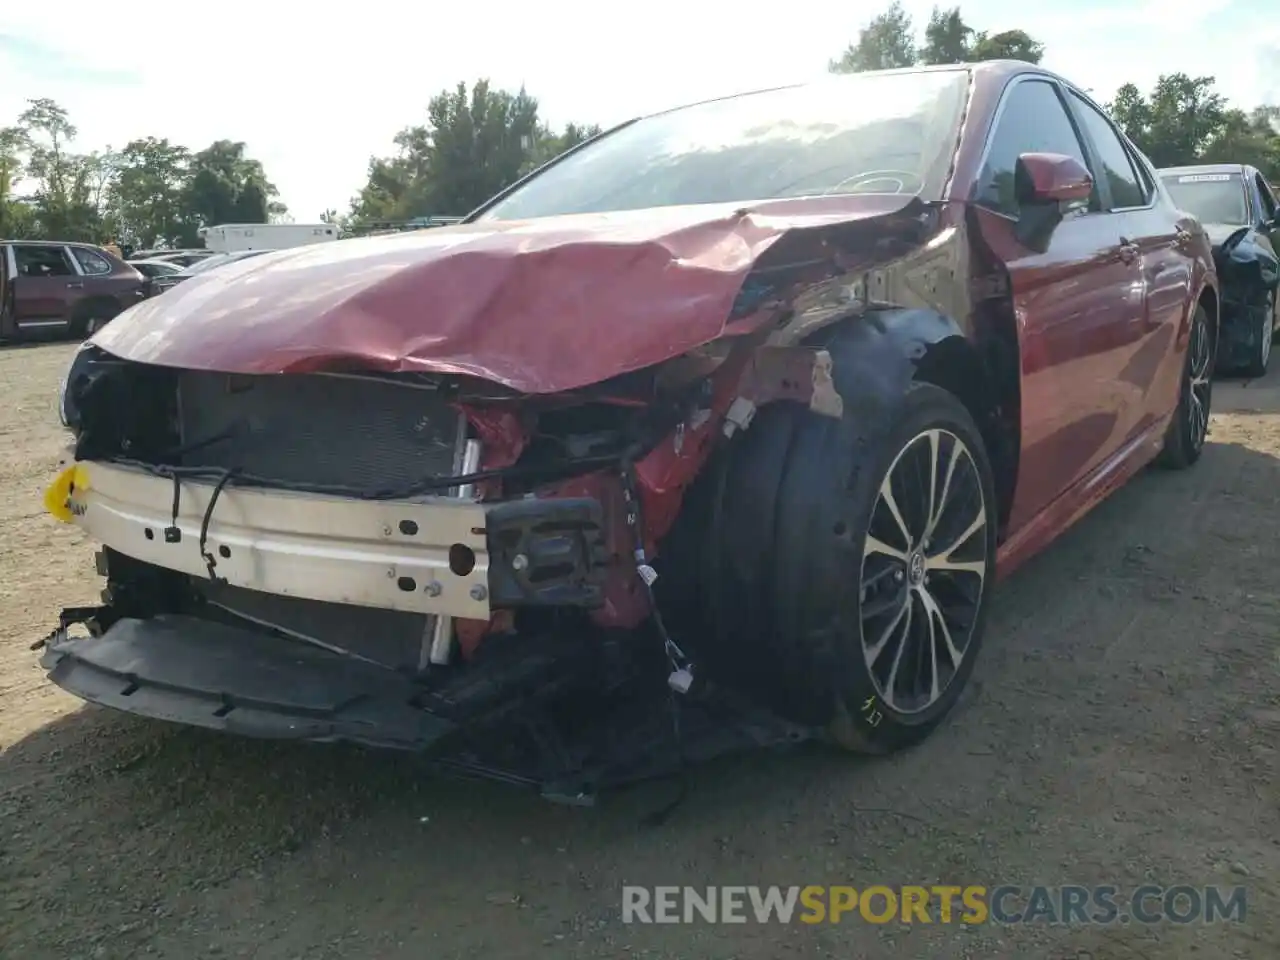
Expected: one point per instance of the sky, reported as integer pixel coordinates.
(314, 91)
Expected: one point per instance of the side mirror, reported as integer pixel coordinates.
(1040, 178)
(1043, 184)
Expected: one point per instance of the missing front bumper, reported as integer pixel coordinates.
(207, 674)
(440, 556)
(567, 716)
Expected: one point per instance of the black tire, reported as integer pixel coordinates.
(92, 316)
(1261, 354)
(801, 507)
(1184, 439)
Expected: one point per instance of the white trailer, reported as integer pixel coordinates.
(231, 237)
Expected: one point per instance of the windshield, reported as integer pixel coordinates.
(1210, 197)
(218, 260)
(868, 133)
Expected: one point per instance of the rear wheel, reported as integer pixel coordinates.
(883, 554)
(1184, 440)
(92, 317)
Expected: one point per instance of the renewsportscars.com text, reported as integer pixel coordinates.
(973, 904)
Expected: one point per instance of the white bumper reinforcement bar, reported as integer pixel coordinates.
(426, 555)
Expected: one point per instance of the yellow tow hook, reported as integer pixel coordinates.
(58, 495)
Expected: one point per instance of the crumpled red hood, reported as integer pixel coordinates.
(541, 306)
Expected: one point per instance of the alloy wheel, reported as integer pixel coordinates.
(1200, 387)
(923, 570)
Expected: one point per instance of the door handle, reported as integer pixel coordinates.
(75, 286)
(1128, 250)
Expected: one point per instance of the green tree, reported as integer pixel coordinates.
(62, 200)
(548, 145)
(479, 144)
(946, 38)
(887, 41)
(226, 186)
(16, 217)
(475, 143)
(1184, 120)
(1176, 123)
(151, 192)
(1007, 45)
(148, 193)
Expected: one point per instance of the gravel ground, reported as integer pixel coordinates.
(1121, 730)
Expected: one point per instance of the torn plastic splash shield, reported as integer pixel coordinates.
(512, 718)
(206, 674)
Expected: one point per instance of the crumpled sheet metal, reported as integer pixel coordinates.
(540, 306)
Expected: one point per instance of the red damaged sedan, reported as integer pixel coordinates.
(732, 415)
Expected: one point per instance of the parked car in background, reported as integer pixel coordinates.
(1239, 211)
(155, 268)
(230, 237)
(170, 280)
(736, 411)
(182, 258)
(52, 288)
(150, 269)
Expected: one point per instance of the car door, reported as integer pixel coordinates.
(7, 328)
(106, 276)
(1076, 303)
(1268, 231)
(45, 285)
(1152, 232)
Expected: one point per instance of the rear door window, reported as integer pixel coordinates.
(91, 263)
(1032, 119)
(1127, 188)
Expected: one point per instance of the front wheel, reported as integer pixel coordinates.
(866, 615)
(928, 561)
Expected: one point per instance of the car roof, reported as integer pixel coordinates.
(1236, 168)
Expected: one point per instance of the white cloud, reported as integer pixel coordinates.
(315, 90)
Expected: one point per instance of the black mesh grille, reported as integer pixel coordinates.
(318, 429)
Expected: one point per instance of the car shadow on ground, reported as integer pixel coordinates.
(125, 818)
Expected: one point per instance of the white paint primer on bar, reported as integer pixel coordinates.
(295, 544)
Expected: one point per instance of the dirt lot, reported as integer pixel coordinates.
(1121, 730)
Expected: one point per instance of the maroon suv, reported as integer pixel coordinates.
(48, 287)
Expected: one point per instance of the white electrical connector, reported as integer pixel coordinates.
(741, 412)
(680, 680)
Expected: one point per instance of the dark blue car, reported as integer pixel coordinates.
(1240, 213)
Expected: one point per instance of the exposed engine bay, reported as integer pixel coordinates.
(464, 551)
(565, 573)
